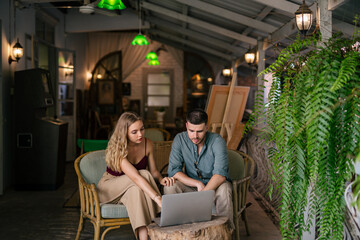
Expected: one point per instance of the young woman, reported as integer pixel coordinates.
(126, 179)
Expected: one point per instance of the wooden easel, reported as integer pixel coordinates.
(226, 108)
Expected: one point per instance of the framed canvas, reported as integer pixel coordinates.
(216, 105)
(106, 92)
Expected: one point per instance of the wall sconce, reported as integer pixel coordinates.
(303, 17)
(226, 72)
(250, 57)
(16, 52)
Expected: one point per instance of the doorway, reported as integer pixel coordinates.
(158, 95)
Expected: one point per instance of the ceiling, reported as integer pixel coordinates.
(223, 30)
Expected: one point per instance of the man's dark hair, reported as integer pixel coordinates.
(197, 116)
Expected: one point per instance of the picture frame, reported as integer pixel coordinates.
(134, 106)
(106, 92)
(126, 89)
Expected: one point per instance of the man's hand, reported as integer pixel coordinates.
(200, 186)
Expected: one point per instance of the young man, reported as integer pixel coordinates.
(204, 155)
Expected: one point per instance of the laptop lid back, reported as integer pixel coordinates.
(187, 207)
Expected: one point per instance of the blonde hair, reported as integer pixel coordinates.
(117, 146)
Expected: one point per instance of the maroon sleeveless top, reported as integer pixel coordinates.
(140, 165)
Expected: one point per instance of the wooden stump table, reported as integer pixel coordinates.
(217, 228)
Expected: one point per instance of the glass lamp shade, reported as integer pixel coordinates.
(17, 52)
(154, 62)
(303, 17)
(151, 55)
(140, 40)
(111, 4)
(226, 72)
(250, 57)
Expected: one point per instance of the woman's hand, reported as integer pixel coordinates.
(158, 199)
(167, 181)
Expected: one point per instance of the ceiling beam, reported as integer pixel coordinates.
(333, 4)
(232, 16)
(189, 49)
(46, 1)
(190, 43)
(199, 23)
(283, 32)
(202, 37)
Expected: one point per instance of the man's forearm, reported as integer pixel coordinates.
(215, 181)
(182, 177)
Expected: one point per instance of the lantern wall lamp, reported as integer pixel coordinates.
(17, 52)
(250, 57)
(303, 17)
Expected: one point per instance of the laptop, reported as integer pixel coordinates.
(184, 208)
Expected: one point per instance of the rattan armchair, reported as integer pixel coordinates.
(89, 168)
(162, 151)
(241, 168)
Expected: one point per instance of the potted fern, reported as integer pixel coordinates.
(312, 130)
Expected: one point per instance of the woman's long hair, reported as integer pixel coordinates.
(117, 146)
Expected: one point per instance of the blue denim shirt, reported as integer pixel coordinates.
(213, 158)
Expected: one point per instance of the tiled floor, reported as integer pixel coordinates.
(41, 215)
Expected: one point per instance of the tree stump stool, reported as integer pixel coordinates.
(217, 228)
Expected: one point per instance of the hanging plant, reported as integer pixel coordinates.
(312, 129)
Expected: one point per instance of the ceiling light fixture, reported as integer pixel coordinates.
(154, 62)
(303, 17)
(140, 39)
(111, 4)
(17, 52)
(151, 55)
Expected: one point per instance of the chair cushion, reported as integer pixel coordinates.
(236, 165)
(93, 166)
(113, 211)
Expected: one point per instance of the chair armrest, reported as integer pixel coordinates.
(89, 200)
(240, 181)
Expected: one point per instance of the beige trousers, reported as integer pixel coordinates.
(140, 207)
(223, 198)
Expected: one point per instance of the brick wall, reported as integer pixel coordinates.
(167, 62)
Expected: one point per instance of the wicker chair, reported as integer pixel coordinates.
(157, 134)
(89, 168)
(162, 151)
(241, 168)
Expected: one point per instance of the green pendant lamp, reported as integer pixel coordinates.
(111, 4)
(140, 40)
(151, 55)
(154, 62)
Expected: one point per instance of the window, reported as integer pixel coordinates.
(158, 89)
